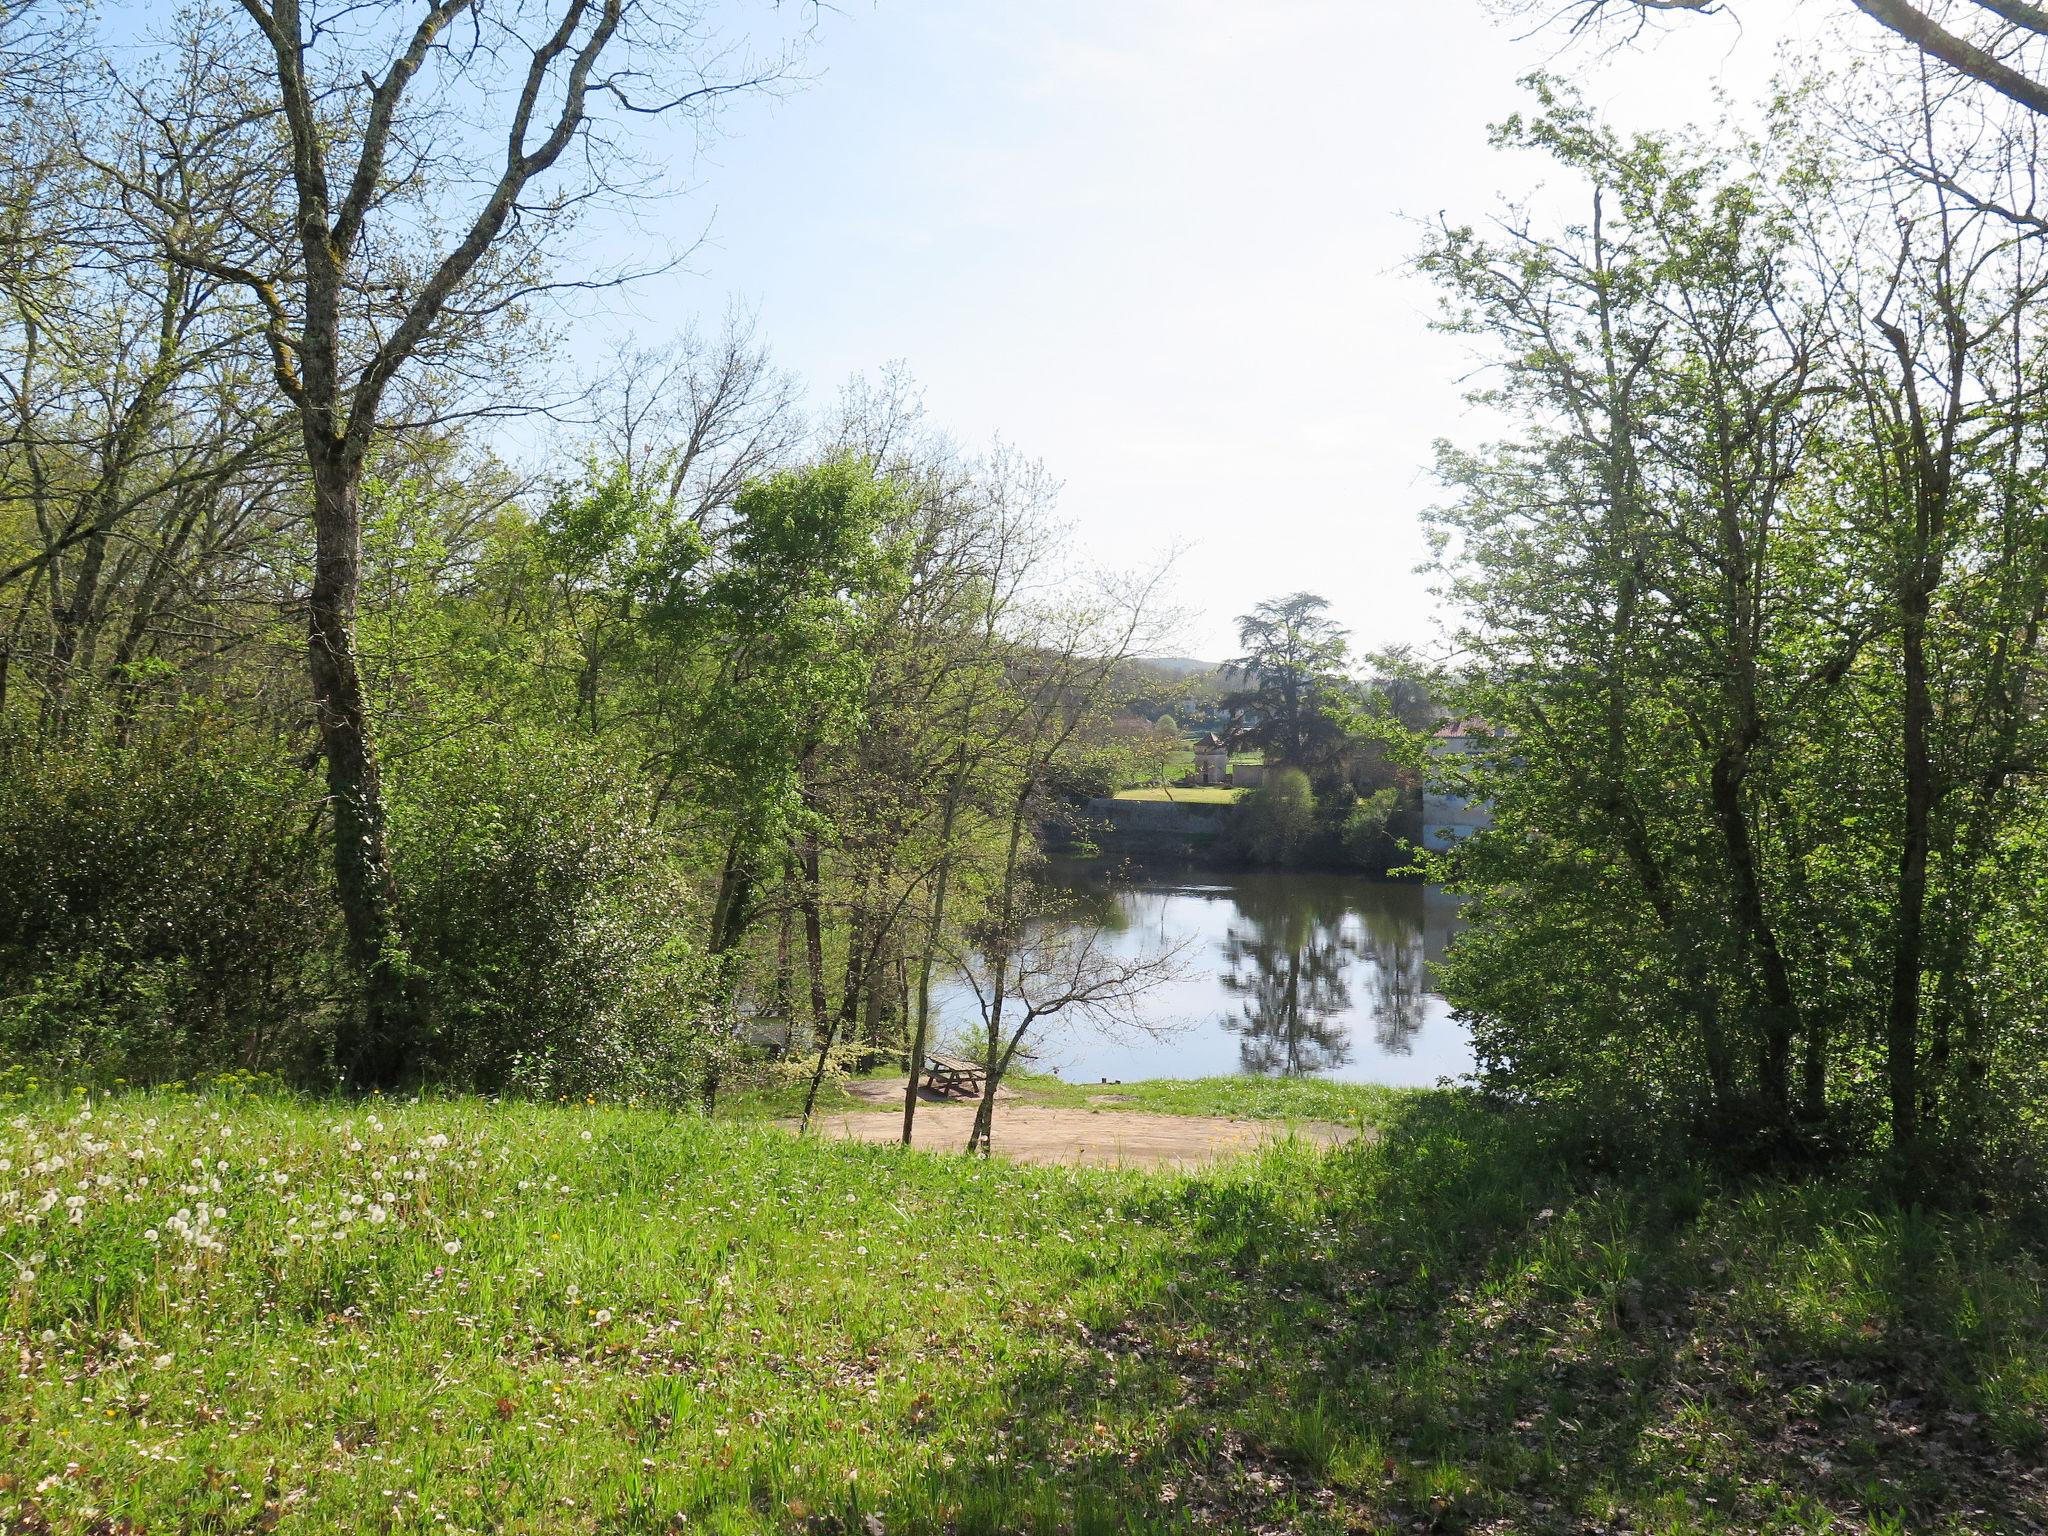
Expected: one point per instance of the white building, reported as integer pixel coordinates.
(1448, 818)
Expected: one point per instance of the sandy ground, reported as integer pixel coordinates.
(1039, 1133)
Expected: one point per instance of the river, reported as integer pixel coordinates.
(1282, 974)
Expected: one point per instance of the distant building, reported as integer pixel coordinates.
(1212, 759)
(1449, 818)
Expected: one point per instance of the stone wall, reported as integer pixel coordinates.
(1153, 828)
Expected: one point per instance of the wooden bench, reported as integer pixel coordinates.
(949, 1074)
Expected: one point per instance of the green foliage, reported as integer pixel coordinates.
(163, 906)
(1276, 820)
(549, 924)
(1299, 695)
(807, 567)
(1366, 833)
(1095, 771)
(1753, 632)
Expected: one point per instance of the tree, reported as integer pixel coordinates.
(1058, 680)
(1746, 594)
(1996, 45)
(338, 244)
(1051, 972)
(1294, 656)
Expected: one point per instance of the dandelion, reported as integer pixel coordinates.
(151, 1237)
(451, 1248)
(586, 1135)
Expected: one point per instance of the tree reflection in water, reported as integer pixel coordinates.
(1300, 945)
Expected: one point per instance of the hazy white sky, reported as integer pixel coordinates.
(1160, 244)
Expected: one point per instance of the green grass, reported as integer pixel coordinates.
(608, 1321)
(781, 1096)
(1244, 1098)
(1209, 794)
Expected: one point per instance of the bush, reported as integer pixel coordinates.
(1276, 821)
(546, 919)
(164, 907)
(1366, 836)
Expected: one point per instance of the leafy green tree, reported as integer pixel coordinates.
(330, 161)
(1709, 584)
(1294, 666)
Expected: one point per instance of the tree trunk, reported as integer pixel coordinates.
(1902, 1015)
(70, 622)
(1781, 1007)
(731, 911)
(979, 1136)
(814, 953)
(379, 1047)
(921, 1037)
(785, 964)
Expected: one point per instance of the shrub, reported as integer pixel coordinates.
(164, 907)
(547, 921)
(1366, 836)
(1276, 820)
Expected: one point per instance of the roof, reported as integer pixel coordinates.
(1471, 725)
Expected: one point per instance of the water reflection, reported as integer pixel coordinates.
(1287, 975)
(1295, 954)
(1290, 965)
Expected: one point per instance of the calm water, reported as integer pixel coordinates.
(1284, 974)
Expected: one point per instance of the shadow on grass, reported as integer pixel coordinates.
(1451, 1330)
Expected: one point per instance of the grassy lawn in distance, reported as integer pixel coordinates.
(245, 1315)
(1207, 794)
(1242, 1097)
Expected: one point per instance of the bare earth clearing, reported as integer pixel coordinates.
(1043, 1133)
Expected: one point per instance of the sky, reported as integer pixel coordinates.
(1161, 245)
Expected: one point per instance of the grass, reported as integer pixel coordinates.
(1242, 1097)
(256, 1314)
(1202, 794)
(782, 1097)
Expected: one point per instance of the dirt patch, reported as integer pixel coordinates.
(1039, 1133)
(887, 1093)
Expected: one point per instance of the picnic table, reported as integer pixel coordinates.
(950, 1074)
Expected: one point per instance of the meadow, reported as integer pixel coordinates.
(234, 1312)
(1200, 794)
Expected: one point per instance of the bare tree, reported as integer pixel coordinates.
(1992, 42)
(390, 183)
(1047, 972)
(696, 417)
(1061, 674)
